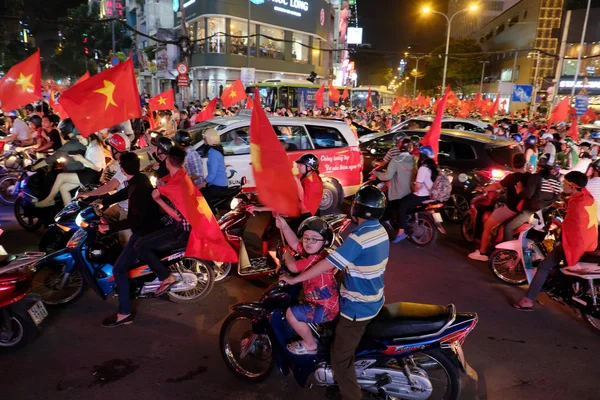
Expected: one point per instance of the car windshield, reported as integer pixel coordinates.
(503, 155)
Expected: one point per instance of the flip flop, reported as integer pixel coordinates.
(519, 307)
(162, 289)
(399, 238)
(298, 349)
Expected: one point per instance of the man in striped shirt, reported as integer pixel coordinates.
(363, 257)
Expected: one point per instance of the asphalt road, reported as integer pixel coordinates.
(171, 351)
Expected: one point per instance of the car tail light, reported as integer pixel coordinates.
(493, 174)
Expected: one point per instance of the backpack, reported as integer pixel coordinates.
(441, 188)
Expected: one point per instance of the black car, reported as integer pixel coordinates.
(473, 159)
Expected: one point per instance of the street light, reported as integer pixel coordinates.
(535, 54)
(427, 10)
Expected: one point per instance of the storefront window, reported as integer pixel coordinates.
(271, 43)
(239, 44)
(201, 35)
(216, 33)
(300, 52)
(316, 53)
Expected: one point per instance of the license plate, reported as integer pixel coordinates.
(38, 312)
(437, 217)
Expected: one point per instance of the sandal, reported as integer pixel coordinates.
(164, 287)
(298, 349)
(519, 307)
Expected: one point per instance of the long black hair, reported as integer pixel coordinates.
(429, 163)
(218, 147)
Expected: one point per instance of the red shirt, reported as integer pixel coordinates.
(313, 192)
(322, 289)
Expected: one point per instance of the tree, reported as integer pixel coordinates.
(462, 69)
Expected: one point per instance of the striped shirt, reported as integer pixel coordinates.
(391, 154)
(364, 256)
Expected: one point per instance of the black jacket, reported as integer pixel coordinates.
(143, 216)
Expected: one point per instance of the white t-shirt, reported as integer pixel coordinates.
(95, 154)
(424, 178)
(594, 188)
(21, 129)
(122, 179)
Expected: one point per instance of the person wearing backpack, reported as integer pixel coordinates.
(427, 174)
(512, 182)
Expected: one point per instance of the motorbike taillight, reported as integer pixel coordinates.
(460, 335)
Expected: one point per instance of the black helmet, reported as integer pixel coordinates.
(182, 138)
(415, 139)
(595, 165)
(164, 144)
(404, 144)
(36, 120)
(310, 160)
(545, 162)
(66, 126)
(316, 224)
(369, 203)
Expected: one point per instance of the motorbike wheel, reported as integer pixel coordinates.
(507, 267)
(594, 322)
(30, 223)
(423, 232)
(442, 372)
(248, 355)
(52, 240)
(7, 190)
(205, 280)
(467, 229)
(222, 270)
(23, 332)
(47, 280)
(456, 208)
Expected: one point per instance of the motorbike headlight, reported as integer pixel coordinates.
(81, 222)
(153, 180)
(234, 203)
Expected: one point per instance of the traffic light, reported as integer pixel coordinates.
(85, 40)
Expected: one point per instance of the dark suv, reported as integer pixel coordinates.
(474, 159)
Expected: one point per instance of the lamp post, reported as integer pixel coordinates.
(482, 75)
(416, 70)
(535, 82)
(449, 21)
(583, 32)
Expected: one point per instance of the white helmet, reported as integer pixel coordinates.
(547, 136)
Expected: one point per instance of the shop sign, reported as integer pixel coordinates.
(581, 104)
(522, 93)
(290, 7)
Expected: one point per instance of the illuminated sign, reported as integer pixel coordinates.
(290, 7)
(589, 84)
(354, 35)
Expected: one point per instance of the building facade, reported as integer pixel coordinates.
(288, 40)
(464, 24)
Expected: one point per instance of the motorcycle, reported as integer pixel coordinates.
(89, 256)
(409, 351)
(13, 164)
(64, 227)
(482, 205)
(21, 312)
(233, 225)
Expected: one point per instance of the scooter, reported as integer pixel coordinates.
(482, 205)
(12, 164)
(409, 351)
(89, 256)
(21, 312)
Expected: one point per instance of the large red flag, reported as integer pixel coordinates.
(234, 93)
(345, 94)
(271, 166)
(207, 112)
(396, 106)
(83, 77)
(495, 107)
(560, 113)
(163, 101)
(432, 137)
(22, 84)
(206, 240)
(249, 103)
(334, 94)
(55, 100)
(104, 100)
(573, 132)
(589, 116)
(369, 102)
(580, 227)
(319, 97)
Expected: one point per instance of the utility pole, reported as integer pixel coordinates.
(535, 83)
(186, 58)
(482, 75)
(114, 45)
(585, 22)
(248, 44)
(561, 57)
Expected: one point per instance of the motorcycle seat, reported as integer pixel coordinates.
(402, 320)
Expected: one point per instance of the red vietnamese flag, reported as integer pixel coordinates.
(432, 137)
(396, 106)
(345, 94)
(22, 84)
(249, 103)
(589, 116)
(319, 97)
(369, 102)
(580, 227)
(83, 77)
(334, 94)
(271, 166)
(163, 101)
(573, 132)
(58, 109)
(560, 113)
(233, 94)
(495, 106)
(104, 100)
(207, 112)
(206, 240)
(465, 109)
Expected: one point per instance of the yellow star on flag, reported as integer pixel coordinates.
(255, 156)
(592, 211)
(232, 94)
(107, 90)
(162, 100)
(24, 81)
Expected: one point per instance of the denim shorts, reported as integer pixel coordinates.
(309, 313)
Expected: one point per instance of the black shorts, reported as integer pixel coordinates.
(88, 176)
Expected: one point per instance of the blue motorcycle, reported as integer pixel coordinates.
(409, 351)
(89, 257)
(64, 227)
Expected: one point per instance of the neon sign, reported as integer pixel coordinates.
(290, 7)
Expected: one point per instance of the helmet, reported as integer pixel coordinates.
(164, 144)
(398, 137)
(318, 225)
(596, 165)
(404, 144)
(547, 136)
(36, 120)
(369, 203)
(182, 138)
(595, 135)
(210, 135)
(569, 142)
(415, 139)
(532, 140)
(544, 161)
(12, 114)
(427, 152)
(310, 160)
(517, 138)
(119, 141)
(66, 126)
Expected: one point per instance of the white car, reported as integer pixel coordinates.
(333, 142)
(468, 125)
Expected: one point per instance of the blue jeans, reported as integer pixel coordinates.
(121, 274)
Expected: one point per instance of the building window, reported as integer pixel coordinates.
(500, 29)
(201, 35)
(239, 44)
(300, 48)
(216, 35)
(513, 21)
(506, 75)
(271, 43)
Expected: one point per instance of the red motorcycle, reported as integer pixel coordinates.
(21, 312)
(257, 251)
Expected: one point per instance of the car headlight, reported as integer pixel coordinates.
(234, 203)
(81, 222)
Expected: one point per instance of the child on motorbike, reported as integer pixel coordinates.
(321, 297)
